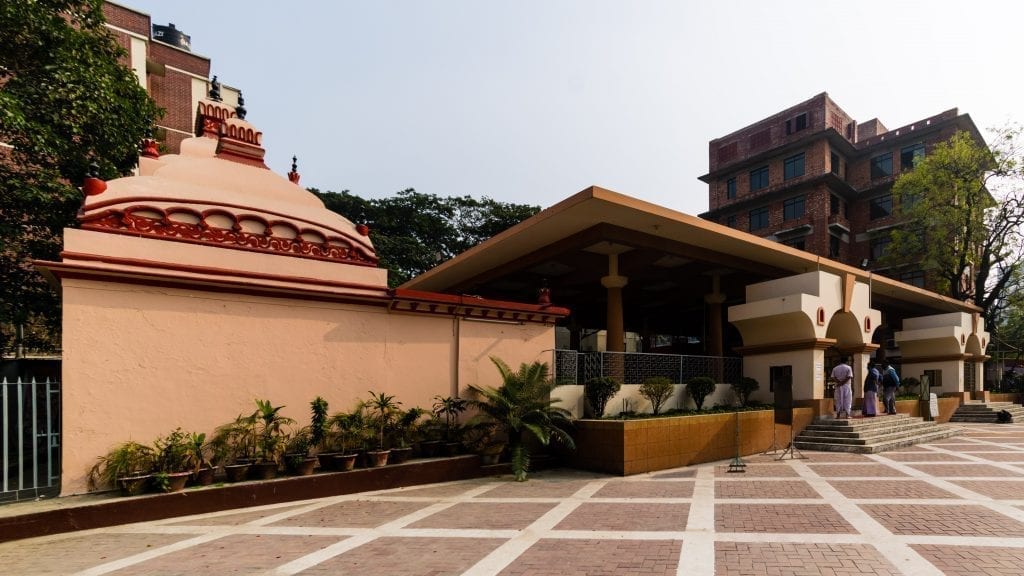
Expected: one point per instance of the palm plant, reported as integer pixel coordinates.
(449, 408)
(385, 406)
(318, 424)
(349, 426)
(267, 423)
(523, 404)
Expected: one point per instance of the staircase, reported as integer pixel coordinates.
(987, 412)
(870, 435)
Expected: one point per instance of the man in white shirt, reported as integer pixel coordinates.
(842, 375)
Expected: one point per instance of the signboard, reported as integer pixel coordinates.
(933, 405)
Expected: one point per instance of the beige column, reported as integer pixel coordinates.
(714, 300)
(614, 323)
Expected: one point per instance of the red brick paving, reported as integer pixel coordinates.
(756, 559)
(923, 457)
(235, 519)
(964, 470)
(854, 470)
(874, 489)
(974, 561)
(534, 489)
(77, 552)
(235, 554)
(762, 489)
(354, 514)
(409, 557)
(626, 517)
(780, 518)
(758, 471)
(646, 489)
(953, 520)
(549, 557)
(486, 515)
(999, 489)
(684, 473)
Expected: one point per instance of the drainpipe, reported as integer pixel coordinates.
(456, 350)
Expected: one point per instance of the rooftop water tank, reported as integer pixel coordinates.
(171, 35)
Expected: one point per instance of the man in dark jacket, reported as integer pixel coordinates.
(890, 382)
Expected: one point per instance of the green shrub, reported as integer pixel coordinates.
(744, 388)
(657, 390)
(699, 388)
(598, 391)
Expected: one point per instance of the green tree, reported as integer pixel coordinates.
(66, 101)
(413, 232)
(962, 210)
(657, 390)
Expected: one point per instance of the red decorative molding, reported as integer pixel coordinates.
(336, 249)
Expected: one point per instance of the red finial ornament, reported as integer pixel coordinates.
(150, 148)
(363, 230)
(92, 185)
(293, 176)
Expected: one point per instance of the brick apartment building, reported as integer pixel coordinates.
(813, 178)
(175, 77)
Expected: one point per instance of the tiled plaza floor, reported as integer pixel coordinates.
(950, 507)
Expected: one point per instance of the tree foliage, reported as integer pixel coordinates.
(657, 390)
(413, 232)
(963, 209)
(66, 101)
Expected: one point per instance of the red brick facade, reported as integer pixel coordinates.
(169, 73)
(804, 177)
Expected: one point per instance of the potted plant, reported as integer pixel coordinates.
(269, 435)
(202, 456)
(383, 406)
(348, 428)
(233, 443)
(431, 431)
(174, 461)
(402, 430)
(127, 466)
(297, 460)
(481, 436)
(521, 405)
(318, 424)
(449, 408)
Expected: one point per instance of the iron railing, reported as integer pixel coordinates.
(29, 439)
(572, 367)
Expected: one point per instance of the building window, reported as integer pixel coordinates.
(796, 124)
(833, 247)
(793, 208)
(913, 277)
(730, 188)
(759, 218)
(911, 155)
(833, 204)
(798, 243)
(880, 206)
(881, 166)
(793, 166)
(759, 178)
(879, 245)
(730, 221)
(834, 161)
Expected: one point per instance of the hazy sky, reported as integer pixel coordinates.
(533, 100)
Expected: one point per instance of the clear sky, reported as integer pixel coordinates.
(533, 100)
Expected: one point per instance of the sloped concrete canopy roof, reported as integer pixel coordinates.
(668, 256)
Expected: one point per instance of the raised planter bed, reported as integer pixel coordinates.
(636, 446)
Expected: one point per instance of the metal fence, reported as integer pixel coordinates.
(30, 436)
(572, 367)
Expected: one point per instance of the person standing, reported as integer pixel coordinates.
(890, 382)
(842, 375)
(870, 408)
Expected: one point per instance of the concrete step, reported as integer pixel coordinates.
(896, 427)
(939, 432)
(986, 412)
(882, 436)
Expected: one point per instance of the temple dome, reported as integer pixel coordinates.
(218, 191)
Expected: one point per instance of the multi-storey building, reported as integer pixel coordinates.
(175, 77)
(813, 178)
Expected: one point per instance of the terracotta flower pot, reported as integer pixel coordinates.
(203, 476)
(327, 461)
(344, 462)
(236, 472)
(175, 482)
(300, 467)
(134, 485)
(400, 455)
(430, 448)
(377, 458)
(263, 470)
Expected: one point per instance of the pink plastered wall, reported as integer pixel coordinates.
(142, 360)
